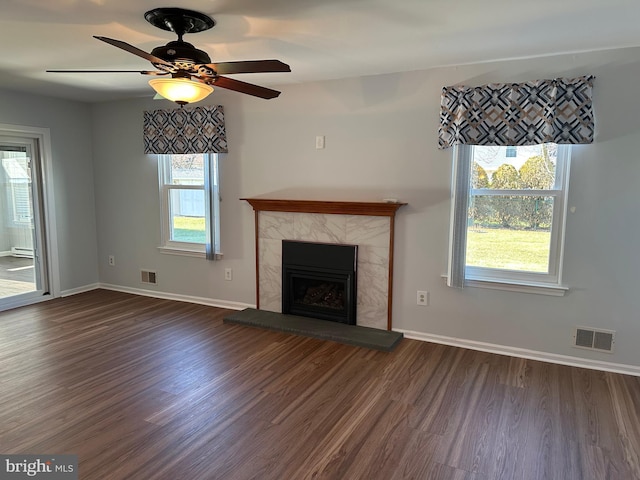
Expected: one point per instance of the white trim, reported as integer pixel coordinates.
(460, 181)
(6, 253)
(521, 287)
(540, 289)
(212, 302)
(75, 291)
(23, 300)
(186, 253)
(182, 251)
(43, 136)
(524, 353)
(563, 225)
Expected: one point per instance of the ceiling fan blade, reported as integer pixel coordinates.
(135, 50)
(249, 66)
(243, 87)
(143, 72)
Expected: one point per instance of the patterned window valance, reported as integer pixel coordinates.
(558, 111)
(185, 130)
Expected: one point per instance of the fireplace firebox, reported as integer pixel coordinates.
(319, 280)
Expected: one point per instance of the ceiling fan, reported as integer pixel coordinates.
(189, 72)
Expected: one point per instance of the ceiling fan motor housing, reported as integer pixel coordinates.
(184, 61)
(181, 52)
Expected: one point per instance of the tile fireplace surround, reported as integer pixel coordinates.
(369, 225)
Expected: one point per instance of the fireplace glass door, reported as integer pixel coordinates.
(319, 280)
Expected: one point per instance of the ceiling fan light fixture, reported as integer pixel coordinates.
(181, 90)
(184, 62)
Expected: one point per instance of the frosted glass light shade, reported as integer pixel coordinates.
(181, 90)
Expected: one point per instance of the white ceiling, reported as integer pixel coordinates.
(319, 39)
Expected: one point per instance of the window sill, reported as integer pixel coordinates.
(186, 253)
(522, 287)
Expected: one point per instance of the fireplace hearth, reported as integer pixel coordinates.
(319, 280)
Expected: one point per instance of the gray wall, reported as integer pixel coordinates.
(73, 179)
(381, 142)
(128, 215)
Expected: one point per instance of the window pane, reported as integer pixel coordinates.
(524, 167)
(187, 215)
(509, 233)
(186, 169)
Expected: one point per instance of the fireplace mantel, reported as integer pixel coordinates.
(383, 209)
(292, 206)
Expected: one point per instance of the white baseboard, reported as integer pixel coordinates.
(524, 353)
(212, 302)
(6, 253)
(75, 291)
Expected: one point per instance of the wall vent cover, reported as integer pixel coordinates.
(149, 277)
(584, 338)
(594, 339)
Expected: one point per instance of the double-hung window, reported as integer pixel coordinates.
(508, 216)
(189, 199)
(17, 169)
(509, 184)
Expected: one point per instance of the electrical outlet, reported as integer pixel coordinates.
(423, 298)
(112, 260)
(228, 274)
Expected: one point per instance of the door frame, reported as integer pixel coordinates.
(42, 140)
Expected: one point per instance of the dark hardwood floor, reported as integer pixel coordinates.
(142, 388)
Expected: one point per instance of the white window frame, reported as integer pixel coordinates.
(531, 282)
(167, 245)
(21, 209)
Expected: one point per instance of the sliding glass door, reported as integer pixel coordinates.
(22, 254)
